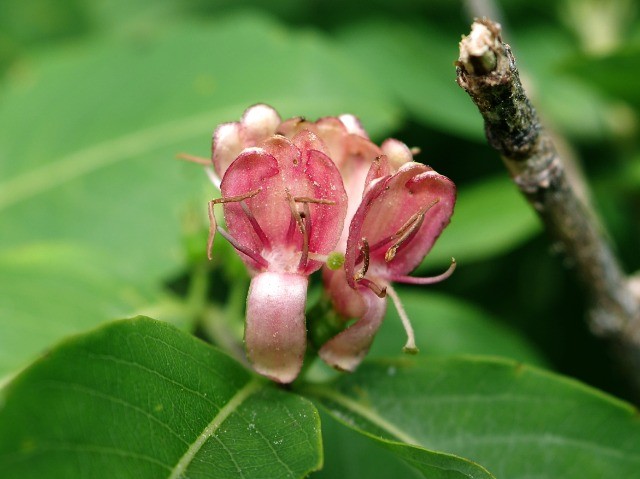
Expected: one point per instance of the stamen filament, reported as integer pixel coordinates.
(194, 159)
(295, 214)
(317, 201)
(323, 258)
(235, 199)
(410, 346)
(306, 233)
(213, 225)
(256, 227)
(429, 280)
(305, 248)
(254, 255)
(410, 225)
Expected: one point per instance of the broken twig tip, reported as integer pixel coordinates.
(478, 49)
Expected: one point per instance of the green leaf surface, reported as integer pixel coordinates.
(490, 218)
(615, 73)
(517, 421)
(140, 399)
(88, 132)
(415, 63)
(50, 291)
(447, 326)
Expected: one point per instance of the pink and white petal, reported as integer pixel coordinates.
(259, 122)
(347, 349)
(308, 140)
(227, 145)
(354, 240)
(413, 190)
(333, 133)
(275, 331)
(255, 170)
(327, 220)
(428, 186)
(292, 126)
(397, 152)
(353, 125)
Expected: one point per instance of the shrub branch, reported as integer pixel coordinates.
(487, 71)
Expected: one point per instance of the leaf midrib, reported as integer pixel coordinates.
(234, 403)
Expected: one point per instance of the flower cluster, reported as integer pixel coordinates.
(295, 191)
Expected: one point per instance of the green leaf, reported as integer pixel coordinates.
(89, 132)
(350, 455)
(50, 291)
(517, 421)
(88, 135)
(415, 63)
(446, 326)
(615, 73)
(490, 218)
(140, 399)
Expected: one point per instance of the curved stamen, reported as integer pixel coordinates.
(256, 227)
(378, 291)
(429, 280)
(198, 160)
(295, 216)
(254, 255)
(213, 226)
(317, 201)
(404, 233)
(410, 346)
(206, 162)
(302, 219)
(236, 198)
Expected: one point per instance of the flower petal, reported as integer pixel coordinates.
(347, 349)
(407, 211)
(287, 178)
(258, 123)
(346, 301)
(275, 332)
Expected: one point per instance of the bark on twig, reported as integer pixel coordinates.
(486, 70)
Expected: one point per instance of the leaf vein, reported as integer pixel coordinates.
(234, 403)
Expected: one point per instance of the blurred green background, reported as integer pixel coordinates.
(98, 220)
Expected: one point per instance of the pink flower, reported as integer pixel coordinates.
(284, 205)
(395, 225)
(288, 188)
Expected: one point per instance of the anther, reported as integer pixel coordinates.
(377, 290)
(364, 250)
(407, 231)
(298, 219)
